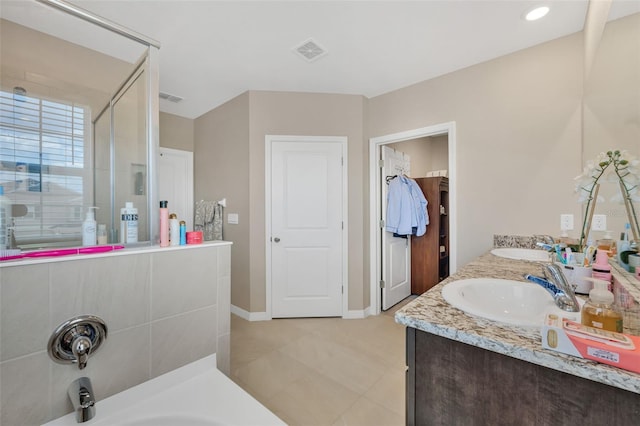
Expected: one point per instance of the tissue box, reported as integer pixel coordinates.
(570, 337)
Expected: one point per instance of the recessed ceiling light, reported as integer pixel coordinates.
(536, 13)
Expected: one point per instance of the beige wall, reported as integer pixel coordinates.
(176, 132)
(230, 162)
(277, 113)
(221, 170)
(518, 129)
(518, 124)
(50, 67)
(427, 154)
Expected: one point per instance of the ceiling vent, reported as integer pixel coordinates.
(170, 98)
(310, 50)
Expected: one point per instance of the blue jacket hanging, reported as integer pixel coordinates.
(406, 208)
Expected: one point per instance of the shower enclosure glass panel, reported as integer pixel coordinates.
(93, 91)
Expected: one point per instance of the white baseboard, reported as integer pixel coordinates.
(357, 314)
(262, 316)
(249, 316)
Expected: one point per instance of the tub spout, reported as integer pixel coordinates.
(81, 394)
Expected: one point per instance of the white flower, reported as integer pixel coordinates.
(626, 170)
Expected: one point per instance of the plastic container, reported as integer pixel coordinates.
(607, 244)
(164, 224)
(600, 311)
(194, 237)
(128, 224)
(174, 230)
(89, 228)
(102, 234)
(5, 217)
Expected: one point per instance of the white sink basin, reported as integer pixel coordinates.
(522, 254)
(512, 302)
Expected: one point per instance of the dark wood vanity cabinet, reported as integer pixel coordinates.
(430, 252)
(453, 383)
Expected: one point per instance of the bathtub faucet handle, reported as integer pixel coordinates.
(81, 348)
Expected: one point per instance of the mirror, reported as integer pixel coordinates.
(74, 120)
(611, 106)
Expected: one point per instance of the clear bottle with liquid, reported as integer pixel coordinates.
(600, 311)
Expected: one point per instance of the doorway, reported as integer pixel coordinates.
(175, 182)
(306, 211)
(375, 191)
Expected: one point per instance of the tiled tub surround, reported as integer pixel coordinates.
(432, 314)
(165, 307)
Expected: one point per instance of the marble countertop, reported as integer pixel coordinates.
(431, 313)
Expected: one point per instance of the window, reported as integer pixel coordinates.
(44, 167)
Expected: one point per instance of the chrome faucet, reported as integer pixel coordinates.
(557, 285)
(81, 394)
(546, 239)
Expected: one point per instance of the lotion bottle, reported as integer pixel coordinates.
(601, 268)
(164, 224)
(128, 224)
(183, 232)
(89, 228)
(174, 230)
(600, 311)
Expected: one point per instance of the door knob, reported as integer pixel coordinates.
(276, 239)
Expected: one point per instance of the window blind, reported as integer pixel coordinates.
(42, 152)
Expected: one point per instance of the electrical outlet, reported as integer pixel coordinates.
(599, 222)
(566, 222)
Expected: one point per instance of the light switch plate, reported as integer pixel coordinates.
(232, 218)
(599, 222)
(566, 222)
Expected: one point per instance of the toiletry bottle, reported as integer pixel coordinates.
(601, 268)
(600, 311)
(102, 234)
(174, 230)
(89, 228)
(623, 246)
(128, 224)
(183, 232)
(606, 243)
(5, 217)
(164, 224)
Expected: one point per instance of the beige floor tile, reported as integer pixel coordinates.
(323, 371)
(355, 370)
(270, 374)
(312, 400)
(367, 413)
(389, 391)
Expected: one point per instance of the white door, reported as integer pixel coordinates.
(396, 252)
(306, 228)
(175, 182)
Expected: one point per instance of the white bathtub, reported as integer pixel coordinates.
(194, 395)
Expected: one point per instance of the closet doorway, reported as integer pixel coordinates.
(430, 148)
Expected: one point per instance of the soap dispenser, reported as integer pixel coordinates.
(602, 269)
(89, 228)
(600, 311)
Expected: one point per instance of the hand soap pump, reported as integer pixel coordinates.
(601, 268)
(89, 228)
(600, 311)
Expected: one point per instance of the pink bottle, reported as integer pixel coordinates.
(164, 224)
(601, 268)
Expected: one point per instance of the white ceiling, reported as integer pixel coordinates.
(212, 51)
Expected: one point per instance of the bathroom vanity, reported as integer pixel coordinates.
(464, 369)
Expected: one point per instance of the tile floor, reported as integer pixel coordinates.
(323, 371)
